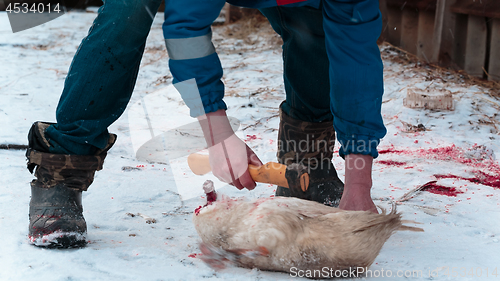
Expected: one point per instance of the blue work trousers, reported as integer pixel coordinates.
(333, 69)
(102, 76)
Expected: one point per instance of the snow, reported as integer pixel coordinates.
(461, 232)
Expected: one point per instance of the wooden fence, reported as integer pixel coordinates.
(463, 34)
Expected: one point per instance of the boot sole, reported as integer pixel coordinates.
(59, 240)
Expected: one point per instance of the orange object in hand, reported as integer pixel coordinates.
(271, 172)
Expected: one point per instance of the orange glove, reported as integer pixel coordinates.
(229, 155)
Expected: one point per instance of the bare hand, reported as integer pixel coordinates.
(229, 156)
(229, 160)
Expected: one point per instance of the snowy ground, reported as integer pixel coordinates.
(460, 213)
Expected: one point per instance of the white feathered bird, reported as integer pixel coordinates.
(281, 233)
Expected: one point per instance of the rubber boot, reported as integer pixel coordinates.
(56, 212)
(312, 145)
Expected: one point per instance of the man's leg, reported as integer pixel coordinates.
(358, 184)
(305, 62)
(64, 156)
(306, 130)
(352, 29)
(102, 76)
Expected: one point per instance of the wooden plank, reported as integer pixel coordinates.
(421, 5)
(438, 30)
(385, 25)
(161, 9)
(425, 35)
(494, 62)
(460, 40)
(227, 10)
(475, 48)
(448, 34)
(483, 8)
(409, 30)
(394, 25)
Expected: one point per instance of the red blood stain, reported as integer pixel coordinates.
(481, 178)
(193, 255)
(486, 170)
(257, 203)
(442, 190)
(197, 210)
(211, 197)
(453, 153)
(251, 137)
(444, 153)
(391, 163)
(390, 150)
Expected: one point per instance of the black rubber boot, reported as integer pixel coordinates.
(56, 217)
(56, 212)
(312, 145)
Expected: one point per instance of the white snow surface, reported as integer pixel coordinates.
(461, 235)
